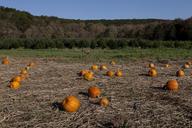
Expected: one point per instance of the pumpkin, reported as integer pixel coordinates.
(5, 61)
(82, 72)
(112, 62)
(151, 65)
(104, 102)
(189, 63)
(23, 76)
(14, 85)
(180, 73)
(27, 68)
(23, 71)
(103, 67)
(17, 78)
(186, 65)
(94, 67)
(152, 72)
(94, 92)
(71, 104)
(89, 76)
(110, 73)
(31, 64)
(172, 85)
(167, 65)
(119, 73)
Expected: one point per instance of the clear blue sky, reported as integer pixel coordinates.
(105, 9)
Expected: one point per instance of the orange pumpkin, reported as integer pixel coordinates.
(94, 92)
(15, 85)
(180, 73)
(151, 65)
(172, 85)
(23, 71)
(112, 62)
(82, 72)
(94, 67)
(103, 67)
(167, 65)
(152, 72)
(186, 65)
(110, 73)
(5, 61)
(71, 104)
(17, 78)
(89, 76)
(189, 63)
(104, 102)
(119, 73)
(31, 64)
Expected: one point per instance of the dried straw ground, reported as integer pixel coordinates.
(136, 99)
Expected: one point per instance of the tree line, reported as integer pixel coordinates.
(90, 43)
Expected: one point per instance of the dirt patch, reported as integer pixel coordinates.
(136, 99)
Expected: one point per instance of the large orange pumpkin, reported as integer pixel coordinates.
(103, 67)
(71, 104)
(94, 92)
(110, 73)
(14, 85)
(119, 73)
(104, 102)
(172, 85)
(89, 76)
(94, 67)
(152, 72)
(180, 73)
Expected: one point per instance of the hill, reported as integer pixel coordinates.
(21, 24)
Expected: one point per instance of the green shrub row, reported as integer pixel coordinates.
(90, 43)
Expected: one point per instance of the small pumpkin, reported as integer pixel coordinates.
(17, 78)
(27, 68)
(151, 65)
(167, 65)
(152, 72)
(14, 85)
(112, 62)
(119, 73)
(186, 65)
(71, 104)
(103, 67)
(89, 76)
(82, 72)
(94, 92)
(23, 71)
(180, 73)
(189, 63)
(31, 64)
(104, 102)
(5, 61)
(172, 85)
(110, 73)
(94, 67)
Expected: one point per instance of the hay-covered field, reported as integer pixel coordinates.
(136, 100)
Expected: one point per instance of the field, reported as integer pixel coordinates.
(136, 100)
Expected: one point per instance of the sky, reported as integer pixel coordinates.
(105, 9)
